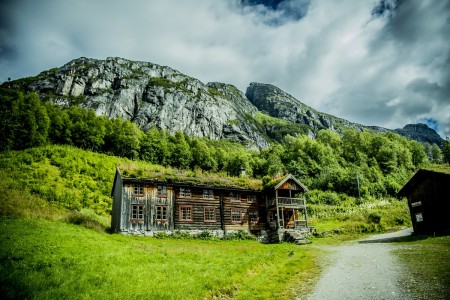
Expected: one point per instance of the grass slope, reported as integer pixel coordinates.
(427, 261)
(44, 259)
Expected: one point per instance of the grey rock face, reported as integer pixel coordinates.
(153, 95)
(279, 104)
(422, 133)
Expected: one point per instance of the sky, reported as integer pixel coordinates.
(374, 62)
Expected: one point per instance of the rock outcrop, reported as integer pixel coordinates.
(152, 95)
(422, 133)
(279, 104)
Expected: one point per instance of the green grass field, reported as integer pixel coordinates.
(427, 261)
(55, 211)
(44, 259)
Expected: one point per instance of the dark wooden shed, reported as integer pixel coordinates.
(428, 194)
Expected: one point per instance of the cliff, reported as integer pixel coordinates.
(152, 95)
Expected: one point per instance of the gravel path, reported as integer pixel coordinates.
(365, 270)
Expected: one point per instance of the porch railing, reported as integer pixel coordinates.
(300, 224)
(282, 201)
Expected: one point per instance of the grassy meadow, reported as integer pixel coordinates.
(427, 261)
(54, 218)
(44, 259)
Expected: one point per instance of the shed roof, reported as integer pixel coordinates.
(423, 174)
(278, 182)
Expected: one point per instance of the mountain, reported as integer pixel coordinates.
(150, 95)
(421, 133)
(153, 95)
(274, 102)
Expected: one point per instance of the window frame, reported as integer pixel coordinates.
(209, 194)
(137, 213)
(163, 210)
(240, 215)
(159, 189)
(206, 208)
(251, 218)
(251, 199)
(185, 192)
(138, 189)
(235, 197)
(180, 214)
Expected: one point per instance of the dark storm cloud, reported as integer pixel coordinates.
(7, 48)
(418, 31)
(385, 7)
(277, 12)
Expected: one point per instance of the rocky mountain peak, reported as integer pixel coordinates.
(279, 104)
(422, 133)
(152, 95)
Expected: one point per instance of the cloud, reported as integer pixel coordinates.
(276, 12)
(385, 63)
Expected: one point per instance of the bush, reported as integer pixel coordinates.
(87, 220)
(239, 235)
(161, 235)
(205, 235)
(181, 235)
(374, 218)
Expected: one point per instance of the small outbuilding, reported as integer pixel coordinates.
(428, 194)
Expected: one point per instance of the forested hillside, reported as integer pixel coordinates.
(382, 162)
(340, 171)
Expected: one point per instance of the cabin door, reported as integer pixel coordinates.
(289, 219)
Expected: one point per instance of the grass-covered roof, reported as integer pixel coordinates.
(439, 168)
(145, 171)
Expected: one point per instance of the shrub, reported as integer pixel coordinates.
(86, 220)
(161, 235)
(205, 235)
(374, 218)
(180, 235)
(238, 235)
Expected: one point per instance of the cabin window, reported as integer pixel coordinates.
(236, 197)
(209, 214)
(185, 213)
(251, 198)
(162, 191)
(185, 192)
(236, 216)
(161, 213)
(208, 194)
(419, 217)
(137, 212)
(253, 216)
(138, 189)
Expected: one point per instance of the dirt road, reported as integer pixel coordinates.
(364, 270)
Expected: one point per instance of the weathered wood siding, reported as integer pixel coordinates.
(244, 206)
(116, 216)
(198, 204)
(430, 199)
(149, 199)
(290, 185)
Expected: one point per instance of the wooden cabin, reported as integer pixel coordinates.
(428, 194)
(286, 206)
(145, 206)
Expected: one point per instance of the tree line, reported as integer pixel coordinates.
(381, 162)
